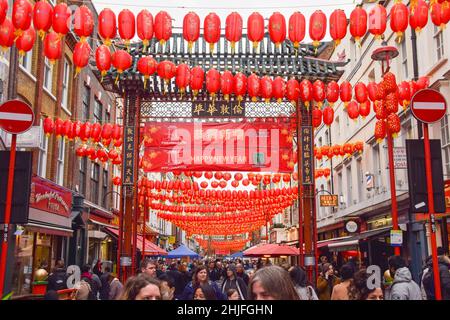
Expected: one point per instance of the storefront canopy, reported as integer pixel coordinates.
(272, 250)
(236, 255)
(151, 249)
(352, 242)
(181, 252)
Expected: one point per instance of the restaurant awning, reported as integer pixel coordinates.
(351, 242)
(151, 249)
(49, 223)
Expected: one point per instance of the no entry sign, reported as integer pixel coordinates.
(16, 116)
(428, 105)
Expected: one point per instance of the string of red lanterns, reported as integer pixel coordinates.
(347, 149)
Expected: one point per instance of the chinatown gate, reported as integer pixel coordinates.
(152, 105)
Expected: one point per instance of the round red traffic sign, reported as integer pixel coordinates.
(16, 116)
(428, 105)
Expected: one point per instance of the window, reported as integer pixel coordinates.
(105, 188)
(107, 117)
(349, 185)
(445, 143)
(48, 75)
(338, 129)
(86, 103)
(404, 60)
(83, 169)
(376, 169)
(439, 40)
(42, 160)
(65, 84)
(339, 183)
(360, 184)
(327, 137)
(60, 162)
(95, 175)
(27, 61)
(98, 111)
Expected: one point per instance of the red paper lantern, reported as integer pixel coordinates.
(67, 128)
(42, 17)
(116, 132)
(293, 91)
(48, 126)
(253, 87)
(240, 86)
(389, 83)
(212, 30)
(358, 23)
(76, 128)
(96, 131)
(226, 84)
(328, 116)
(227, 176)
(183, 77)
(163, 27)
(353, 110)
(404, 93)
(102, 155)
(319, 92)
(106, 131)
(213, 82)
(391, 102)
(121, 60)
(103, 59)
(316, 117)
(345, 92)
(380, 130)
(266, 88)
(364, 109)
(277, 28)
(361, 93)
(279, 88)
(297, 28)
(85, 131)
(399, 19)
(83, 22)
(377, 20)
(147, 67)
(255, 28)
(380, 110)
(145, 27)
(3, 10)
(107, 27)
(191, 28)
(61, 17)
(306, 92)
(338, 26)
(418, 18)
(440, 14)
(393, 124)
(52, 47)
(81, 55)
(204, 184)
(25, 42)
(372, 90)
(81, 151)
(117, 181)
(166, 71)
(59, 127)
(21, 17)
(233, 29)
(317, 27)
(197, 79)
(423, 83)
(127, 26)
(332, 92)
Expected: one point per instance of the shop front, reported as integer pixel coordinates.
(45, 238)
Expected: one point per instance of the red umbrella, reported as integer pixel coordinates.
(271, 249)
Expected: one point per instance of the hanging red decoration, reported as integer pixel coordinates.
(306, 89)
(96, 131)
(147, 67)
(317, 27)
(233, 29)
(21, 17)
(418, 18)
(377, 20)
(277, 28)
(319, 92)
(59, 127)
(163, 27)
(117, 181)
(121, 60)
(404, 92)
(212, 30)
(279, 89)
(240, 86)
(183, 77)
(364, 109)
(338, 26)
(423, 83)
(52, 47)
(67, 128)
(197, 79)
(166, 71)
(393, 124)
(358, 24)
(316, 117)
(116, 132)
(3, 10)
(391, 102)
(266, 88)
(103, 59)
(48, 126)
(6, 35)
(399, 19)
(85, 132)
(107, 27)
(226, 84)
(25, 42)
(332, 92)
(145, 27)
(191, 29)
(380, 110)
(255, 28)
(213, 82)
(83, 24)
(80, 151)
(440, 15)
(293, 91)
(127, 26)
(253, 87)
(76, 128)
(345, 92)
(42, 17)
(81, 55)
(204, 184)
(297, 28)
(361, 93)
(61, 17)
(372, 91)
(328, 116)
(353, 110)
(389, 83)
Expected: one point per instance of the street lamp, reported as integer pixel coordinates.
(385, 54)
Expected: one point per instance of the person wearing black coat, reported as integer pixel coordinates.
(180, 281)
(57, 280)
(104, 279)
(232, 281)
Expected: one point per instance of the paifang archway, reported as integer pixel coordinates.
(157, 102)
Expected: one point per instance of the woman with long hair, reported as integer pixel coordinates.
(326, 281)
(304, 289)
(346, 289)
(232, 281)
(204, 292)
(141, 288)
(363, 292)
(199, 277)
(271, 283)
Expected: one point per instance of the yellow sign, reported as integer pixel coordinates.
(172, 239)
(329, 200)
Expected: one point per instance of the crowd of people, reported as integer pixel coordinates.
(251, 280)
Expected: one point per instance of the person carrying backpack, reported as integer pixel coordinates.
(444, 275)
(57, 280)
(87, 289)
(403, 287)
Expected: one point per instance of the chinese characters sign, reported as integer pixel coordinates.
(218, 109)
(128, 155)
(307, 155)
(329, 200)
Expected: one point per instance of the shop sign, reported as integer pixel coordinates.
(329, 200)
(396, 238)
(50, 197)
(128, 161)
(307, 156)
(351, 226)
(400, 158)
(218, 109)
(172, 239)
